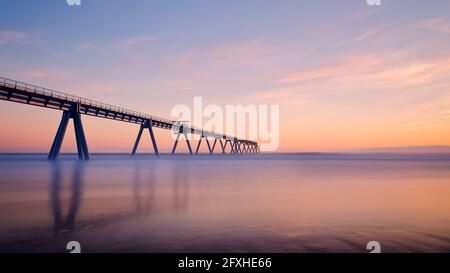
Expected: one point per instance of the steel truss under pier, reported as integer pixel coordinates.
(73, 107)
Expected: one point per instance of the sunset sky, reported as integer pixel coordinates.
(345, 74)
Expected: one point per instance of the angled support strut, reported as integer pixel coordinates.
(182, 131)
(146, 125)
(82, 147)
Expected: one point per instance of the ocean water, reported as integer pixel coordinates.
(251, 203)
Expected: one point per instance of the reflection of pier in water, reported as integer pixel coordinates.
(143, 192)
(77, 177)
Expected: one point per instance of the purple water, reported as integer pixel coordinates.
(263, 203)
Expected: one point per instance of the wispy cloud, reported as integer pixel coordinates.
(445, 114)
(352, 64)
(92, 90)
(248, 51)
(134, 41)
(415, 73)
(244, 53)
(187, 88)
(283, 96)
(13, 37)
(366, 34)
(439, 24)
(36, 74)
(181, 62)
(196, 65)
(375, 69)
(101, 88)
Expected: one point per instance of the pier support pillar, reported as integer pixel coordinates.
(198, 145)
(146, 125)
(181, 131)
(231, 144)
(223, 146)
(82, 148)
(237, 149)
(211, 148)
(211, 151)
(209, 145)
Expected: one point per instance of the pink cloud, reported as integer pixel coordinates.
(36, 74)
(439, 24)
(12, 37)
(224, 55)
(197, 64)
(97, 88)
(416, 73)
(367, 34)
(393, 69)
(33, 74)
(247, 51)
(284, 96)
(182, 61)
(445, 113)
(354, 64)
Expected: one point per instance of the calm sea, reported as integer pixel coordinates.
(263, 203)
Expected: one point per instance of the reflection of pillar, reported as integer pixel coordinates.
(82, 148)
(67, 222)
(138, 182)
(181, 185)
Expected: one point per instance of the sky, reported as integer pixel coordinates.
(345, 75)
